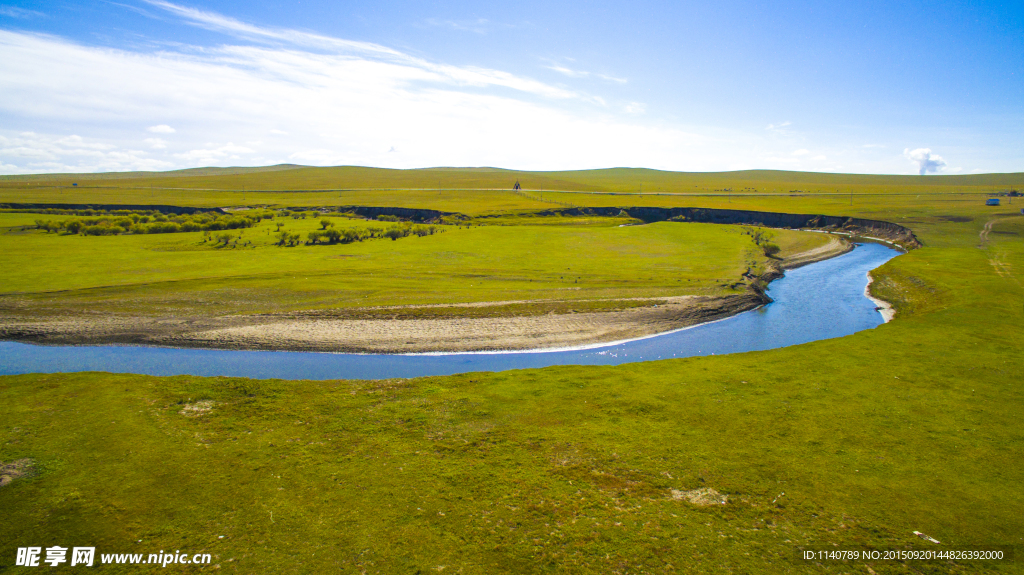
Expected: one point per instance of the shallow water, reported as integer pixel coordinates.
(819, 301)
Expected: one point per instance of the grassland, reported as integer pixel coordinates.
(190, 272)
(578, 280)
(861, 440)
(469, 190)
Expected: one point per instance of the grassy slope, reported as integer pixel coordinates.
(910, 426)
(287, 177)
(180, 273)
(468, 190)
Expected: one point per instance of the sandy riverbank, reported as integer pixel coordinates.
(301, 332)
(315, 331)
(884, 307)
(836, 246)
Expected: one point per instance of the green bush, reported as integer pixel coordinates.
(352, 235)
(100, 230)
(139, 223)
(163, 228)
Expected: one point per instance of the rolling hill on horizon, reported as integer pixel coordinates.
(292, 177)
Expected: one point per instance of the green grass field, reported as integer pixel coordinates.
(470, 190)
(191, 273)
(912, 426)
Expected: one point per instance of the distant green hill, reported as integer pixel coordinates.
(469, 190)
(294, 177)
(188, 172)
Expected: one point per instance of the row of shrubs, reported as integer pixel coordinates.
(117, 222)
(136, 223)
(349, 235)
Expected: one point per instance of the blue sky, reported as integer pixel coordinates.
(865, 87)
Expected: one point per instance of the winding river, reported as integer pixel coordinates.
(819, 301)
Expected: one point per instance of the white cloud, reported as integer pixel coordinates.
(35, 153)
(927, 162)
(582, 73)
(778, 126)
(635, 108)
(299, 97)
(465, 75)
(801, 152)
(213, 155)
(336, 108)
(15, 12)
(478, 26)
(568, 71)
(220, 23)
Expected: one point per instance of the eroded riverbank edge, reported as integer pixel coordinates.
(312, 331)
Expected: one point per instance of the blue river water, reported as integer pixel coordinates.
(819, 301)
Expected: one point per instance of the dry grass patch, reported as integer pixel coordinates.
(703, 497)
(197, 409)
(15, 470)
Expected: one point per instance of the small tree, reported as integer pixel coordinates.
(350, 235)
(762, 239)
(325, 223)
(279, 225)
(48, 225)
(223, 238)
